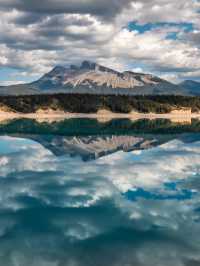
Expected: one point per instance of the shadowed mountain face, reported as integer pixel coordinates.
(93, 78)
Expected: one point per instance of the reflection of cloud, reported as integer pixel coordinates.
(67, 212)
(3, 160)
(152, 168)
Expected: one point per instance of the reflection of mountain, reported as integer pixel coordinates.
(90, 140)
(93, 147)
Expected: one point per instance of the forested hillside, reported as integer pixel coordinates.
(80, 103)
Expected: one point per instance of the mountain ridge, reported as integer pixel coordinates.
(92, 78)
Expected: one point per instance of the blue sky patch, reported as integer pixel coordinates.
(142, 28)
(13, 74)
(147, 195)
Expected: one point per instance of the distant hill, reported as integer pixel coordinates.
(21, 89)
(92, 78)
(192, 87)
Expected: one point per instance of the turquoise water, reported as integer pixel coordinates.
(83, 193)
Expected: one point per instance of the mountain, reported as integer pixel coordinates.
(89, 139)
(90, 148)
(94, 147)
(92, 78)
(191, 86)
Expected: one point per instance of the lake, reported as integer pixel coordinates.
(82, 192)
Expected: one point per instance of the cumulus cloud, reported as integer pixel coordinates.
(37, 36)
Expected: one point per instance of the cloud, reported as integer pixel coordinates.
(34, 36)
(96, 8)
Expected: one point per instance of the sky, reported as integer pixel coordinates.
(161, 37)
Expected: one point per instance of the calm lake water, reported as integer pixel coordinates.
(83, 193)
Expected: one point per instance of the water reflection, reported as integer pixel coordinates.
(137, 203)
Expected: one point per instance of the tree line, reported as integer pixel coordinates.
(87, 103)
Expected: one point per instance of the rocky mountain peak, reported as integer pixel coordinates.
(58, 69)
(92, 66)
(88, 65)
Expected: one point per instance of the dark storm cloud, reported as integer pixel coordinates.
(47, 31)
(55, 26)
(103, 8)
(29, 18)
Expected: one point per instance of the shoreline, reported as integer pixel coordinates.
(99, 116)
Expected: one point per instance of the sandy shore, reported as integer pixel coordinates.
(101, 116)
